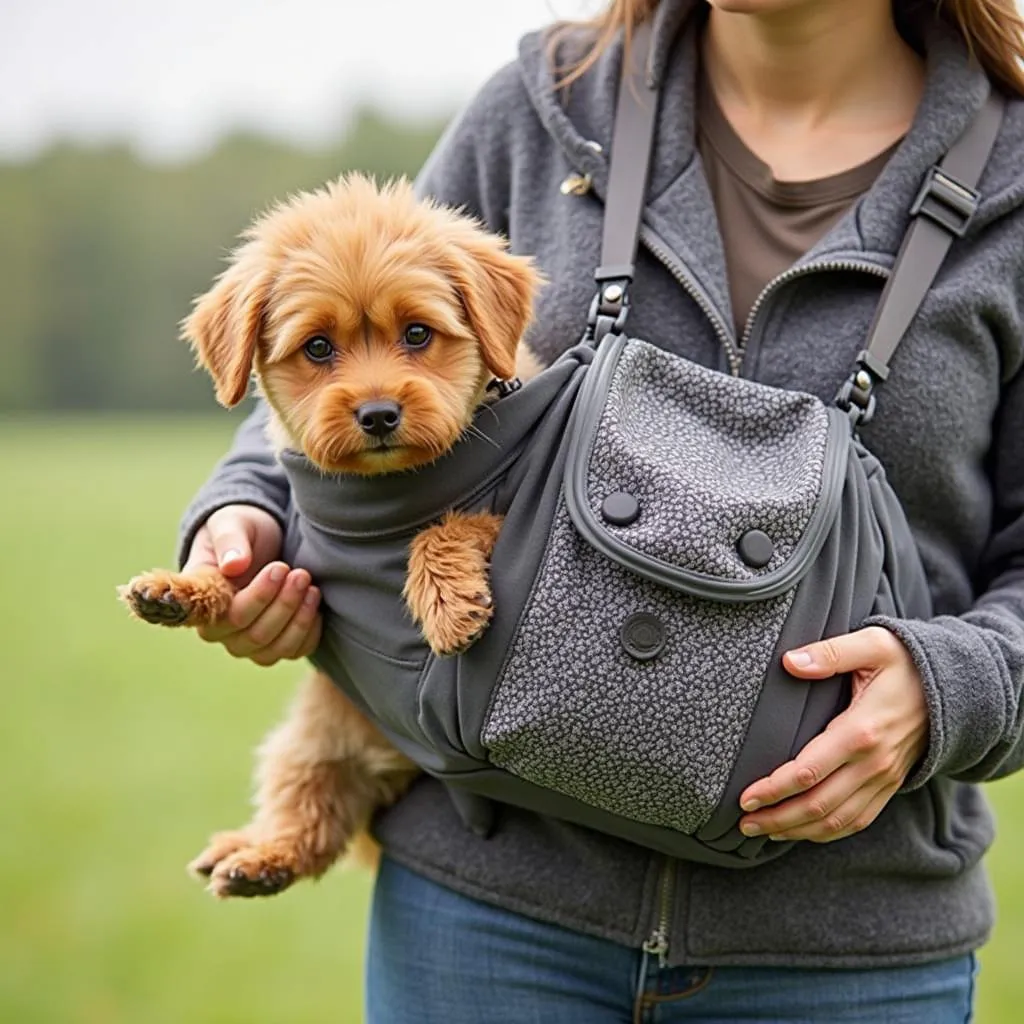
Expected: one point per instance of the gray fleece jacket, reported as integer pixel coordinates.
(913, 886)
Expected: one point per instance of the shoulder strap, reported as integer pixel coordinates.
(943, 209)
(632, 142)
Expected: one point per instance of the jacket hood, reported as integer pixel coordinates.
(956, 88)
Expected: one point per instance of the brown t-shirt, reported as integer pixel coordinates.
(767, 225)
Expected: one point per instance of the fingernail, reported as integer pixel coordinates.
(751, 829)
(777, 838)
(310, 598)
(278, 573)
(230, 556)
(801, 659)
(750, 804)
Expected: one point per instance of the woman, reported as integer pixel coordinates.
(790, 132)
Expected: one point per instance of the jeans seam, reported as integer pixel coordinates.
(972, 979)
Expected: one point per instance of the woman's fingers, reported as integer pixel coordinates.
(300, 636)
(824, 811)
(202, 553)
(230, 539)
(883, 676)
(259, 631)
(249, 603)
(861, 819)
(275, 613)
(863, 650)
(853, 815)
(813, 765)
(240, 540)
(275, 618)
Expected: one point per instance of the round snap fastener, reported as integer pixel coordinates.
(620, 509)
(642, 636)
(756, 548)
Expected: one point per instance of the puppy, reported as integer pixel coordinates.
(373, 324)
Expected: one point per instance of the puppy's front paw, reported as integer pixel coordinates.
(238, 866)
(447, 589)
(175, 599)
(452, 610)
(457, 619)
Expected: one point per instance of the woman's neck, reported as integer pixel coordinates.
(795, 76)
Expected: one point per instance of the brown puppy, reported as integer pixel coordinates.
(373, 324)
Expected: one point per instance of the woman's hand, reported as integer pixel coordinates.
(274, 615)
(839, 783)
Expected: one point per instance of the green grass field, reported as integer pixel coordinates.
(121, 747)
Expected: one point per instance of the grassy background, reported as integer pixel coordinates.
(121, 747)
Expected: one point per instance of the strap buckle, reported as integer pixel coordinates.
(610, 307)
(857, 395)
(945, 201)
(504, 388)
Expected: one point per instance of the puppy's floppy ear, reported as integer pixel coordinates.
(497, 290)
(224, 326)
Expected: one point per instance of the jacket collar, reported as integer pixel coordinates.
(956, 88)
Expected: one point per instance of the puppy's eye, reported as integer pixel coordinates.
(318, 349)
(417, 336)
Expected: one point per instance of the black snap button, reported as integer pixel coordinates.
(756, 548)
(642, 636)
(620, 509)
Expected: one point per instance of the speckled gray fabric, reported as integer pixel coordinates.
(654, 741)
(708, 458)
(753, 458)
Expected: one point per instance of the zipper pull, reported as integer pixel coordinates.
(657, 945)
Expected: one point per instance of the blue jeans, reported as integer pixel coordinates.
(437, 957)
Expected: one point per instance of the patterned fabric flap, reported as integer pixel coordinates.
(712, 485)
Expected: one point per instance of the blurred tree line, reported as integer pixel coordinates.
(102, 253)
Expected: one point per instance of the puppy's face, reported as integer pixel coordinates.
(372, 322)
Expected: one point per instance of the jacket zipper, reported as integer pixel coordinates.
(792, 274)
(657, 941)
(675, 267)
(735, 351)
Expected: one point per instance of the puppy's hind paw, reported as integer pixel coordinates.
(262, 869)
(176, 599)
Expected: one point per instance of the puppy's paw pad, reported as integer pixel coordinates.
(175, 599)
(160, 607)
(255, 871)
(268, 882)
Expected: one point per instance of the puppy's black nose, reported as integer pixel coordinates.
(378, 419)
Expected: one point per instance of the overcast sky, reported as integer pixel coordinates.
(170, 75)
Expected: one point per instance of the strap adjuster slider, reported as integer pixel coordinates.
(945, 201)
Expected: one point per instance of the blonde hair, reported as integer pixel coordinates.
(993, 31)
